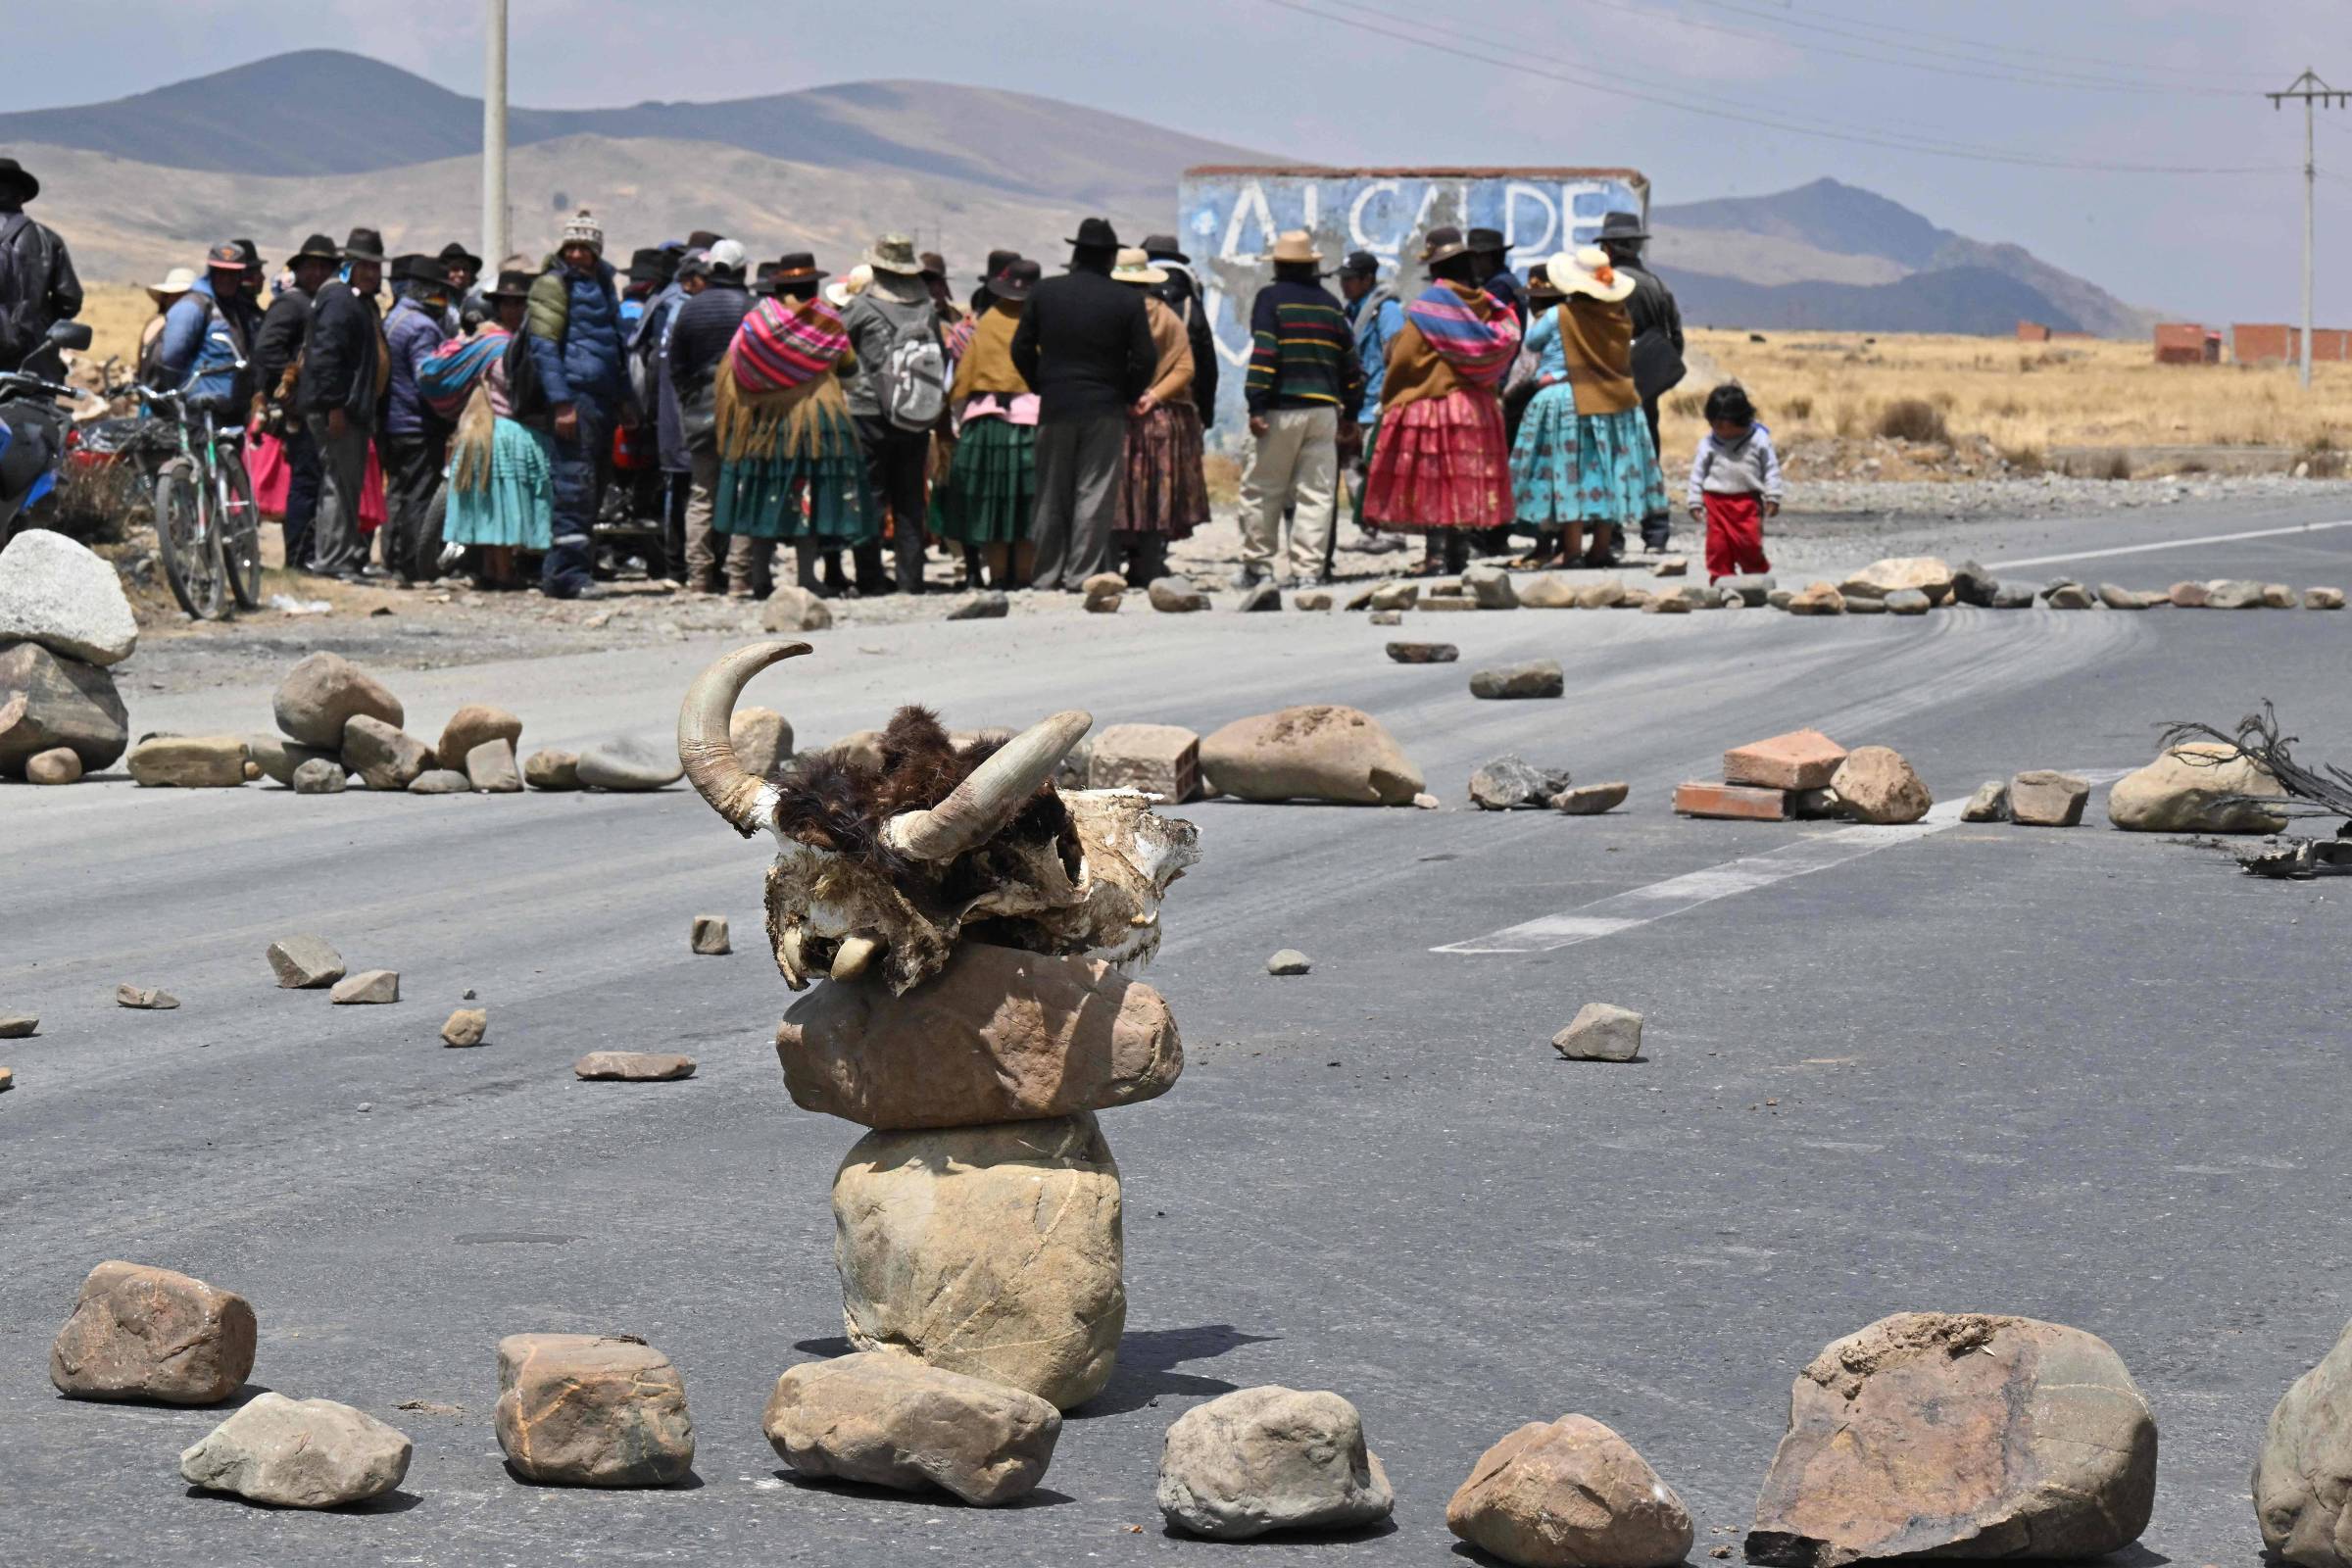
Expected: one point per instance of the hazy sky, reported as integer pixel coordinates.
(2175, 83)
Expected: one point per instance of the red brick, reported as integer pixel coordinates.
(1801, 759)
(1732, 800)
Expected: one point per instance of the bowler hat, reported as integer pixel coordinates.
(648, 266)
(512, 286)
(702, 239)
(1487, 239)
(1017, 279)
(455, 254)
(1442, 244)
(421, 268)
(317, 248)
(251, 252)
(1540, 290)
(1360, 264)
(1622, 226)
(364, 245)
(796, 266)
(935, 266)
(1096, 235)
(998, 260)
(1164, 248)
(15, 173)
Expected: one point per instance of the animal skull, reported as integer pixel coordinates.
(845, 916)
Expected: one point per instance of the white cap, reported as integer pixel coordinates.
(727, 254)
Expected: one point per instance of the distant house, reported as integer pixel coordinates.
(2264, 342)
(2188, 343)
(2032, 333)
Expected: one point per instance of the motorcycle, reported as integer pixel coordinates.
(34, 428)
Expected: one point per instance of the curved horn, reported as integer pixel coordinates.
(987, 800)
(707, 750)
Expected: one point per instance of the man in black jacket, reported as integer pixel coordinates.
(1655, 315)
(279, 350)
(699, 338)
(37, 285)
(342, 382)
(1084, 347)
(1181, 293)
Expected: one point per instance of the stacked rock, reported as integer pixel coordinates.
(63, 625)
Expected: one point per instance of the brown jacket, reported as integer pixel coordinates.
(1596, 340)
(987, 364)
(1172, 377)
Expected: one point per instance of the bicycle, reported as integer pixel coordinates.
(207, 527)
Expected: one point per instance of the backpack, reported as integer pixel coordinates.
(23, 293)
(913, 374)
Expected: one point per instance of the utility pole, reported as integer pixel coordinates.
(2313, 92)
(495, 245)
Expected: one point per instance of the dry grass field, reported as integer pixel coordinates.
(2028, 400)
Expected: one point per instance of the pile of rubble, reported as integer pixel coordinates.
(64, 625)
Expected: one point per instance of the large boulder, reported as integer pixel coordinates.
(1874, 784)
(1000, 1035)
(629, 764)
(1927, 574)
(1270, 1458)
(470, 726)
(1958, 1435)
(188, 763)
(2184, 791)
(762, 739)
(56, 593)
(1570, 1494)
(1162, 759)
(591, 1411)
(324, 692)
(47, 702)
(2303, 1476)
(995, 1251)
(298, 1453)
(1318, 752)
(790, 609)
(142, 1333)
(384, 756)
(888, 1420)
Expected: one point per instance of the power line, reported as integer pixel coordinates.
(1961, 41)
(1895, 142)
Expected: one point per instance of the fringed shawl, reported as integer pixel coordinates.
(758, 427)
(781, 346)
(1468, 330)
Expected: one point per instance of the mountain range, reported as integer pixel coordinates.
(141, 183)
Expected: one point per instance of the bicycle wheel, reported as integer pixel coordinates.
(191, 551)
(238, 527)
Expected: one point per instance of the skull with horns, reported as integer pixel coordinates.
(885, 869)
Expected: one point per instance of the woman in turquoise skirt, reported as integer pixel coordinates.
(502, 496)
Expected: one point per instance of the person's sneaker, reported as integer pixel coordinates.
(1378, 544)
(1247, 578)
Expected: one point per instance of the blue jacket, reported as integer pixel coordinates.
(201, 336)
(579, 355)
(413, 332)
(1378, 318)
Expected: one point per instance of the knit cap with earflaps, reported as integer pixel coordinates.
(583, 229)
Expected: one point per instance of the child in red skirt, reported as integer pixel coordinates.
(1734, 485)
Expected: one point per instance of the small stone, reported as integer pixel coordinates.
(2231, 593)
(1392, 596)
(277, 756)
(2299, 1500)
(369, 988)
(1105, 585)
(1260, 598)
(1755, 592)
(19, 1025)
(2278, 595)
(1311, 598)
(1864, 605)
(2117, 597)
(1426, 803)
(298, 1453)
(989, 606)
(1926, 575)
(633, 1066)
(709, 936)
(61, 594)
(467, 1026)
(1971, 584)
(473, 725)
(1669, 566)
(1387, 617)
(145, 999)
(591, 1411)
(2190, 789)
(323, 692)
(1878, 786)
(1908, 602)
(1176, 596)
(441, 781)
(48, 700)
(304, 962)
(1604, 593)
(1270, 1458)
(1817, 598)
(252, 771)
(1447, 605)
(1490, 588)
(384, 757)
(188, 763)
(1570, 1494)
(1991, 804)
(490, 767)
(1600, 1032)
(1162, 759)
(1779, 597)
(1667, 604)
(141, 1333)
(1539, 677)
(552, 770)
(2068, 595)
(1547, 591)
(1509, 782)
(888, 1420)
(1591, 800)
(629, 764)
(2323, 599)
(320, 775)
(1801, 759)
(2045, 799)
(60, 764)
(2015, 596)
(1732, 802)
(1423, 652)
(792, 609)
(1289, 960)
(2189, 596)
(8, 1079)
(762, 740)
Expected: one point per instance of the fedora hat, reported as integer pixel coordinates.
(512, 285)
(1487, 239)
(1622, 226)
(998, 260)
(796, 266)
(1540, 290)
(15, 173)
(1442, 244)
(1018, 281)
(1163, 248)
(1134, 266)
(251, 252)
(178, 280)
(1096, 235)
(650, 266)
(935, 266)
(455, 254)
(364, 245)
(1587, 271)
(1296, 245)
(420, 269)
(317, 248)
(895, 254)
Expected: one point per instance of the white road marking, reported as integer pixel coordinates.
(1639, 906)
(2175, 544)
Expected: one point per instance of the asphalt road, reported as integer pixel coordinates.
(2086, 1076)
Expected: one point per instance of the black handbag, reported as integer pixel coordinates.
(1658, 366)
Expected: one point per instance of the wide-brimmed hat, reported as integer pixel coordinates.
(1587, 271)
(1442, 244)
(1134, 266)
(895, 254)
(1018, 281)
(317, 248)
(1486, 239)
(1295, 245)
(364, 245)
(15, 173)
(512, 285)
(849, 288)
(178, 280)
(649, 266)
(935, 266)
(1164, 248)
(1360, 264)
(1096, 235)
(250, 252)
(1540, 290)
(1622, 226)
(455, 254)
(796, 266)
(998, 260)
(702, 239)
(421, 268)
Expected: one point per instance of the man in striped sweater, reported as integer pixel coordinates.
(1304, 380)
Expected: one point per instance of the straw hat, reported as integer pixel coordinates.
(1587, 271)
(178, 280)
(1134, 267)
(850, 288)
(1295, 245)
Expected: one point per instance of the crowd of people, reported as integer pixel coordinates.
(1047, 429)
